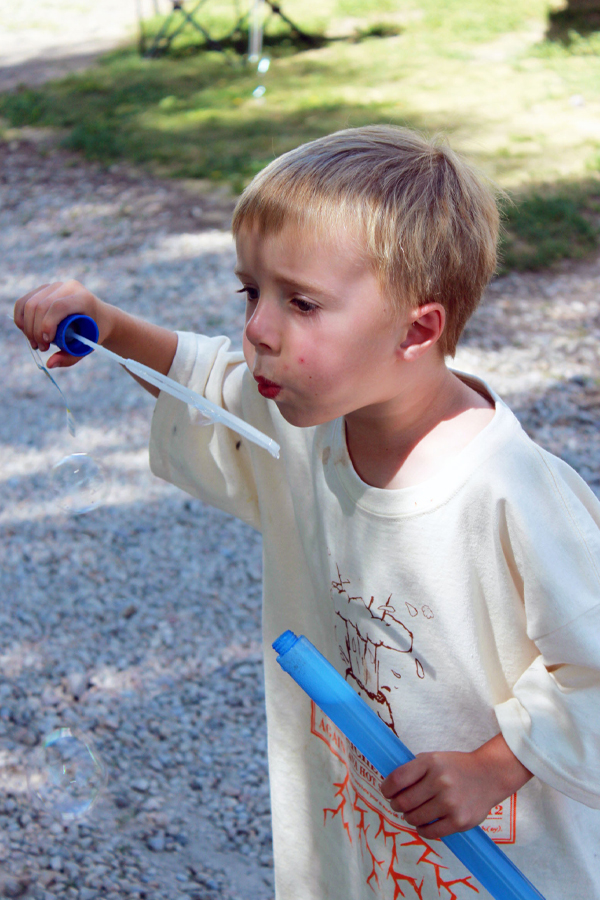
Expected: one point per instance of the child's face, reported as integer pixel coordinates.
(320, 337)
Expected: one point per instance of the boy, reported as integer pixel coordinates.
(447, 566)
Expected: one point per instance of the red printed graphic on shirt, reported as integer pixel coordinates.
(393, 851)
(376, 646)
(500, 824)
(376, 642)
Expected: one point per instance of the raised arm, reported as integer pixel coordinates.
(39, 312)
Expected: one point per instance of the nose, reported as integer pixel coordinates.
(262, 327)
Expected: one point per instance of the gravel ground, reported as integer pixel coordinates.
(139, 623)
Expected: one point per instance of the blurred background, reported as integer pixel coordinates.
(514, 84)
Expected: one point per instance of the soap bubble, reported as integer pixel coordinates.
(78, 483)
(263, 65)
(66, 775)
(259, 91)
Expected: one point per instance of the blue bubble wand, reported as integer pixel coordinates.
(369, 734)
(78, 335)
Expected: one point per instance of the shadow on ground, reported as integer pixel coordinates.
(564, 23)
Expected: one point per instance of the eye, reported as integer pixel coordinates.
(250, 292)
(304, 306)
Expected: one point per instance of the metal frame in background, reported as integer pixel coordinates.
(180, 16)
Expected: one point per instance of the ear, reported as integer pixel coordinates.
(425, 327)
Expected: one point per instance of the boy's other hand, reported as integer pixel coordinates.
(444, 792)
(39, 313)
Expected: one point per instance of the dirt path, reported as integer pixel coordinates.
(45, 39)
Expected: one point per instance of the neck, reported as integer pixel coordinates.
(405, 440)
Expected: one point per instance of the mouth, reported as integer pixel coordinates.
(267, 388)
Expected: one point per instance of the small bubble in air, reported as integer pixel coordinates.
(263, 65)
(79, 483)
(259, 91)
(66, 776)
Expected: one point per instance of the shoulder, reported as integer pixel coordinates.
(515, 467)
(538, 497)
(547, 525)
(526, 473)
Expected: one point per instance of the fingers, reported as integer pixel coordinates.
(438, 794)
(19, 310)
(442, 825)
(403, 777)
(39, 312)
(62, 360)
(413, 799)
(34, 310)
(435, 818)
(411, 793)
(432, 814)
(441, 828)
(426, 814)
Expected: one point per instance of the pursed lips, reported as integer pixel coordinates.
(266, 388)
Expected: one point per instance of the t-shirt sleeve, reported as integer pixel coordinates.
(552, 721)
(208, 461)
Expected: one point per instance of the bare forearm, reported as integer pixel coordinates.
(506, 773)
(142, 341)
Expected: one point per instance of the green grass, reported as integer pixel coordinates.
(523, 108)
(542, 227)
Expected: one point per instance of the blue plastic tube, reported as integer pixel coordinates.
(361, 725)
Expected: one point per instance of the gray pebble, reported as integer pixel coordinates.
(13, 887)
(156, 843)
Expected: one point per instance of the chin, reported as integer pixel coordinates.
(301, 418)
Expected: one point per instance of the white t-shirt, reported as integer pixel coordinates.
(457, 608)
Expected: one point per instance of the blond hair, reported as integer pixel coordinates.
(429, 222)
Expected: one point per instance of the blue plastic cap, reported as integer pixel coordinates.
(285, 642)
(69, 328)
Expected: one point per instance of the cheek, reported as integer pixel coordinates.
(309, 369)
(319, 376)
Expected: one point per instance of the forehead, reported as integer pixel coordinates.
(296, 245)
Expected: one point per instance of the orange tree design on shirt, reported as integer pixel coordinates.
(380, 839)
